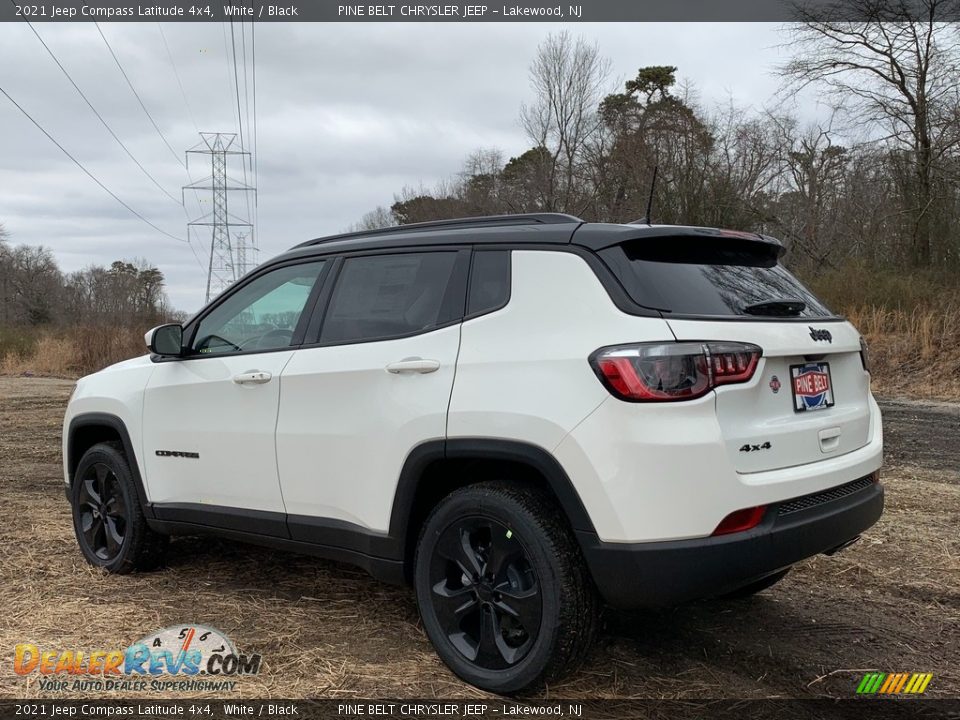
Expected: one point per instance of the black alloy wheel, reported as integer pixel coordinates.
(503, 590)
(103, 512)
(485, 592)
(108, 519)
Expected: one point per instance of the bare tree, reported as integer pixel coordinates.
(895, 67)
(377, 218)
(569, 78)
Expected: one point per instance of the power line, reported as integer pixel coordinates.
(186, 103)
(254, 157)
(176, 73)
(236, 84)
(136, 94)
(87, 172)
(236, 81)
(99, 116)
(226, 56)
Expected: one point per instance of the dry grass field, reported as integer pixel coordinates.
(890, 603)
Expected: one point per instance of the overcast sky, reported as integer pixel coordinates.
(347, 115)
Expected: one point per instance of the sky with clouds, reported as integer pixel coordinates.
(347, 115)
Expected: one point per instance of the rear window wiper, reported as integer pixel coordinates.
(780, 307)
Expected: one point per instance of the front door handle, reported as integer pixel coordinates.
(254, 377)
(413, 365)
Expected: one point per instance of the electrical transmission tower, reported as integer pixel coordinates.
(231, 254)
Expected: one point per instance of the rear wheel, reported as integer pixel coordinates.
(502, 588)
(755, 587)
(107, 517)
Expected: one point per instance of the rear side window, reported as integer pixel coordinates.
(711, 276)
(379, 297)
(489, 281)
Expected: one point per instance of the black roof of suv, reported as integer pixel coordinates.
(531, 228)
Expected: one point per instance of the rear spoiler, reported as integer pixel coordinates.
(597, 236)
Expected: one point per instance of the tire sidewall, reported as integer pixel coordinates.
(118, 465)
(474, 502)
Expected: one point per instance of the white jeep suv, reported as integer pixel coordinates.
(520, 415)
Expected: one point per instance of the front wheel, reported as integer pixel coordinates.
(107, 517)
(502, 588)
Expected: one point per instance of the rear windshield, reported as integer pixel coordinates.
(711, 276)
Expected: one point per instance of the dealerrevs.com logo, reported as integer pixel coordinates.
(169, 659)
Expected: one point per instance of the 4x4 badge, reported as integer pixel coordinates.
(820, 334)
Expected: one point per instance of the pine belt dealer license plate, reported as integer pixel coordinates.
(812, 388)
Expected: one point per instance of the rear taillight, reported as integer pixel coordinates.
(741, 520)
(665, 372)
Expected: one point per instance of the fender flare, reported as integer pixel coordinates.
(99, 419)
(532, 456)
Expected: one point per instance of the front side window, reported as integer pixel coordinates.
(379, 297)
(262, 315)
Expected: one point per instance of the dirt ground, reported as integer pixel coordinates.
(889, 603)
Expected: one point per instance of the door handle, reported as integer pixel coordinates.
(254, 377)
(413, 365)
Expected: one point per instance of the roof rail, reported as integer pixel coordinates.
(454, 223)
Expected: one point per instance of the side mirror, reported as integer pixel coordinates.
(165, 340)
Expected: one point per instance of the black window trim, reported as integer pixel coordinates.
(459, 278)
(191, 327)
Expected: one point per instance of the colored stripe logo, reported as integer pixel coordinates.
(894, 683)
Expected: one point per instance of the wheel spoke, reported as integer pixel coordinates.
(90, 487)
(492, 650)
(102, 481)
(116, 508)
(501, 553)
(114, 538)
(525, 607)
(455, 546)
(96, 537)
(453, 605)
(86, 523)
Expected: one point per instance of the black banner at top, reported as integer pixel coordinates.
(577, 11)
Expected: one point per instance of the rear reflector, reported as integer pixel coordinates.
(664, 372)
(741, 520)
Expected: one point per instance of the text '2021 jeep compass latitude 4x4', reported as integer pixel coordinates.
(520, 415)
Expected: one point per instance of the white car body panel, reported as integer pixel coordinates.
(194, 405)
(754, 413)
(523, 372)
(346, 424)
(116, 390)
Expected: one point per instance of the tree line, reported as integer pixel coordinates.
(35, 292)
(876, 183)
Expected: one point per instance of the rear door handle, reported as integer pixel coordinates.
(254, 377)
(413, 365)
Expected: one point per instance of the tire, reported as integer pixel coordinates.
(107, 518)
(755, 587)
(503, 591)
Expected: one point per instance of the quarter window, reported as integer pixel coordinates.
(261, 315)
(489, 281)
(378, 297)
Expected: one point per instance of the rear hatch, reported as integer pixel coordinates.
(809, 397)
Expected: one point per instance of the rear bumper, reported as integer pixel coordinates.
(651, 574)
